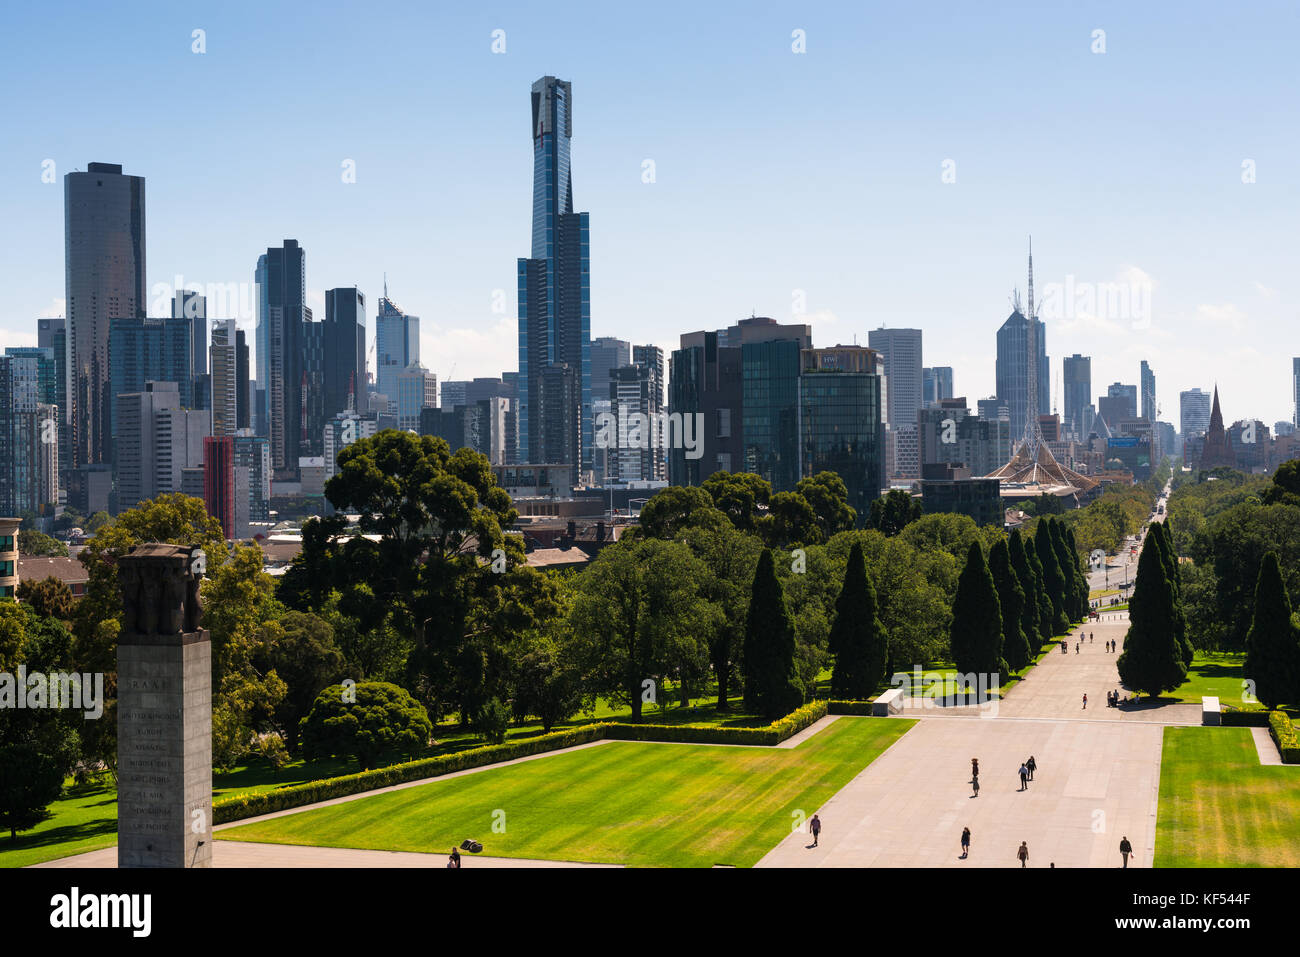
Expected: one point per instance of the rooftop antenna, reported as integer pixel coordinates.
(1032, 434)
(385, 285)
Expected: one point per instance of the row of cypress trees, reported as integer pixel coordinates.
(1029, 590)
(1273, 643)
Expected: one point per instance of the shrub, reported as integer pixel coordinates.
(1244, 719)
(861, 708)
(491, 721)
(1284, 736)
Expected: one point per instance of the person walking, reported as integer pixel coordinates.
(974, 768)
(965, 842)
(975, 786)
(1076, 647)
(1089, 637)
(1023, 854)
(815, 825)
(453, 862)
(1085, 701)
(1031, 766)
(1024, 778)
(1125, 849)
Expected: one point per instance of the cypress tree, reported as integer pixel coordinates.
(1068, 559)
(771, 686)
(1044, 600)
(1052, 577)
(1011, 598)
(1029, 623)
(1152, 660)
(1273, 643)
(976, 631)
(857, 638)
(1080, 575)
(1165, 542)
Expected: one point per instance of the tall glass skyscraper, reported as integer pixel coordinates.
(281, 294)
(104, 266)
(1012, 370)
(397, 345)
(1078, 394)
(555, 293)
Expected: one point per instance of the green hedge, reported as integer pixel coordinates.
(241, 806)
(1284, 736)
(773, 734)
(1244, 719)
(849, 707)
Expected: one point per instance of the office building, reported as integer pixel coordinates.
(224, 378)
(150, 350)
(707, 384)
(252, 458)
(156, 440)
(417, 389)
(950, 435)
(1147, 381)
(453, 393)
(281, 279)
(9, 556)
(936, 384)
(104, 262)
(193, 308)
(28, 438)
(219, 481)
(397, 346)
(243, 385)
(1012, 369)
(344, 429)
(554, 286)
(344, 349)
(841, 420)
(1077, 380)
(1193, 413)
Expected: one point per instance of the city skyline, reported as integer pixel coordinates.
(1219, 301)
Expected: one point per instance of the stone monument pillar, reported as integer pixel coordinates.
(164, 711)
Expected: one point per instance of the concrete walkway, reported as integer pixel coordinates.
(1097, 780)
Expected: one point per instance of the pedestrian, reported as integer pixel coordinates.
(965, 842)
(1031, 766)
(1125, 849)
(1024, 778)
(975, 786)
(1085, 701)
(1023, 854)
(1089, 637)
(815, 825)
(974, 768)
(1065, 650)
(453, 862)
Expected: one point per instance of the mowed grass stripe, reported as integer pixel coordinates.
(636, 803)
(1219, 807)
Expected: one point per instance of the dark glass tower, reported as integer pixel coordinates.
(554, 294)
(282, 286)
(345, 349)
(104, 267)
(1078, 393)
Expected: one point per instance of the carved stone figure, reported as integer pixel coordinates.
(160, 589)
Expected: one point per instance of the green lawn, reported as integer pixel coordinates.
(85, 817)
(1219, 807)
(1217, 674)
(639, 803)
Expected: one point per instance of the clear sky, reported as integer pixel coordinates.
(783, 181)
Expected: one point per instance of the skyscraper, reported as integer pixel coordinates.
(1295, 392)
(937, 384)
(1077, 371)
(417, 388)
(282, 289)
(554, 286)
(345, 348)
(1193, 412)
(397, 345)
(224, 378)
(1012, 369)
(104, 263)
(192, 307)
(1148, 387)
(144, 350)
(900, 353)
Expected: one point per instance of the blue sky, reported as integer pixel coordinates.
(782, 180)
